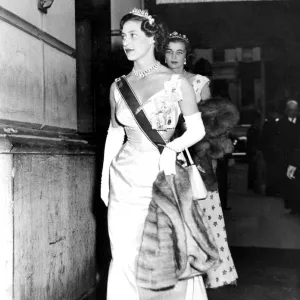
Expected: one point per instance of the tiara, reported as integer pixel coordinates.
(176, 35)
(142, 13)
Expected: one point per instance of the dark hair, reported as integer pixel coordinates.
(179, 40)
(203, 67)
(158, 30)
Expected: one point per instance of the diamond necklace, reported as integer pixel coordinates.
(145, 73)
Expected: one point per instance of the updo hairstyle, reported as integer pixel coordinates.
(158, 30)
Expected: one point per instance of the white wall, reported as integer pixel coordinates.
(21, 69)
(25, 9)
(38, 82)
(59, 21)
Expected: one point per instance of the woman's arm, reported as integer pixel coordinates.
(188, 105)
(112, 103)
(113, 144)
(195, 130)
(205, 92)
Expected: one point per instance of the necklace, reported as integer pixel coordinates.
(145, 73)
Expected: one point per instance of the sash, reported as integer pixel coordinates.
(198, 187)
(141, 119)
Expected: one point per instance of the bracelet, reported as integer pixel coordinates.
(167, 147)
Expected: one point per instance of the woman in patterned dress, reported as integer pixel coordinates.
(175, 57)
(178, 48)
(130, 169)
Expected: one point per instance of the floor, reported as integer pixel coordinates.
(265, 245)
(264, 274)
(258, 221)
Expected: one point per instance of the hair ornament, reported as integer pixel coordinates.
(142, 13)
(176, 35)
(291, 103)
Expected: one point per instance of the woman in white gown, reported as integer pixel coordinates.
(175, 57)
(130, 169)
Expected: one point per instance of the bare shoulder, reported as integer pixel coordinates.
(185, 82)
(112, 94)
(191, 77)
(164, 69)
(113, 86)
(165, 73)
(130, 76)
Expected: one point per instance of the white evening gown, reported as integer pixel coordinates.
(132, 174)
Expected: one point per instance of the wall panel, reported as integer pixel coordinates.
(60, 89)
(6, 226)
(60, 21)
(21, 71)
(54, 226)
(25, 9)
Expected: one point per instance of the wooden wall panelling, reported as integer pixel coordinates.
(54, 227)
(6, 226)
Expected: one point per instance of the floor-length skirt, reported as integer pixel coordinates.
(226, 272)
(132, 174)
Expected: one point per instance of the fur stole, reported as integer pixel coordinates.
(219, 117)
(177, 241)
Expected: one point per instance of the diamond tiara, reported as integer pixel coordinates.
(176, 35)
(142, 13)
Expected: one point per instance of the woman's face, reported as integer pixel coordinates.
(175, 55)
(135, 43)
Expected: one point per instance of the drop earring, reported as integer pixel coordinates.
(185, 62)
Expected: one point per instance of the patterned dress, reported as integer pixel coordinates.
(132, 173)
(226, 272)
(198, 83)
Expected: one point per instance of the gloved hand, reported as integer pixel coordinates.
(167, 162)
(290, 172)
(113, 144)
(195, 131)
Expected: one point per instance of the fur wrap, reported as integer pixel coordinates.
(177, 241)
(219, 117)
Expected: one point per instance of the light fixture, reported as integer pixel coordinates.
(44, 5)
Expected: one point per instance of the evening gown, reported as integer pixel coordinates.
(226, 272)
(132, 173)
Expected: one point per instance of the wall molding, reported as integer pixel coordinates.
(25, 144)
(34, 31)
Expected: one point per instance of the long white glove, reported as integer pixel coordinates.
(195, 131)
(113, 144)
